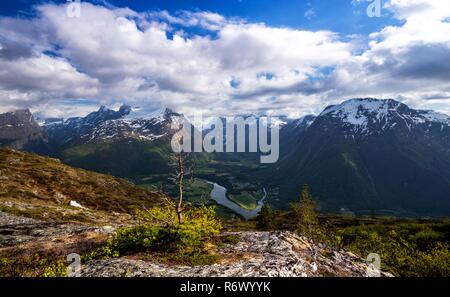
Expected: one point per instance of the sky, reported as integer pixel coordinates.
(222, 57)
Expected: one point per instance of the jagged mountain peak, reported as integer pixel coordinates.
(170, 111)
(105, 113)
(125, 109)
(106, 124)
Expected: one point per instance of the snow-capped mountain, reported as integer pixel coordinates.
(363, 117)
(134, 125)
(107, 124)
(128, 142)
(368, 155)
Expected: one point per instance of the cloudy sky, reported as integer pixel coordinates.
(279, 57)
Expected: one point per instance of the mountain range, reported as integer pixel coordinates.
(365, 156)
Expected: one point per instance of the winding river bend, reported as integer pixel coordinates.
(219, 194)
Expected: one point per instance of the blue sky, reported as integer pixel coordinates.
(285, 57)
(337, 15)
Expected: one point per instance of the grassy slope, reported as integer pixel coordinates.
(127, 158)
(28, 179)
(247, 200)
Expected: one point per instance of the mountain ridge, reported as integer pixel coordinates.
(363, 155)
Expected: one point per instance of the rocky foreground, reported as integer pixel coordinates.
(271, 254)
(264, 254)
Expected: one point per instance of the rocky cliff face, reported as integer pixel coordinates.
(19, 130)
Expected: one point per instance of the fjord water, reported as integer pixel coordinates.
(219, 194)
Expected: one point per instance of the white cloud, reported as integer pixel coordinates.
(207, 20)
(112, 55)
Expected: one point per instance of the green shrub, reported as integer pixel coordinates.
(409, 250)
(57, 269)
(102, 253)
(35, 265)
(426, 237)
(161, 232)
(134, 238)
(435, 263)
(230, 239)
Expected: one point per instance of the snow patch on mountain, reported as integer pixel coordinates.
(305, 121)
(107, 124)
(437, 117)
(357, 111)
(367, 116)
(137, 123)
(139, 113)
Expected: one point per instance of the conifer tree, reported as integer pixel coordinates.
(265, 219)
(305, 213)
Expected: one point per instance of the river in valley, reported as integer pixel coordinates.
(219, 194)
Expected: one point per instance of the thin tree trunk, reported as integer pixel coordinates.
(180, 180)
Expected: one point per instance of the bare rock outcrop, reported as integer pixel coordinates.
(257, 254)
(267, 254)
(15, 230)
